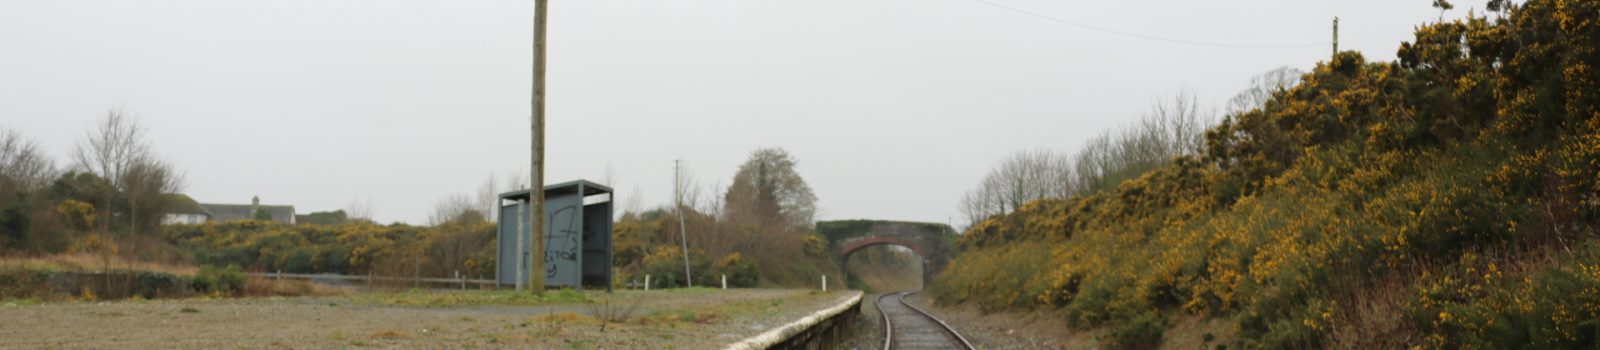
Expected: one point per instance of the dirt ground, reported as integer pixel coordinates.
(662, 320)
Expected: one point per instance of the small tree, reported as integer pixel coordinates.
(769, 193)
(103, 247)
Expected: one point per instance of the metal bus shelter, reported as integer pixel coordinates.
(577, 241)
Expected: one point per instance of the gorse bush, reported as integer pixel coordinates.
(155, 284)
(355, 248)
(739, 271)
(214, 280)
(1306, 220)
(1479, 303)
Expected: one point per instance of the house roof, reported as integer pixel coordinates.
(235, 212)
(182, 204)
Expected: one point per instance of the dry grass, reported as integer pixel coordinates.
(89, 262)
(259, 286)
(1373, 316)
(389, 335)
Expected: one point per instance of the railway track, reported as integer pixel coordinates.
(909, 327)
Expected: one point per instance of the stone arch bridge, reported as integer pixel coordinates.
(934, 242)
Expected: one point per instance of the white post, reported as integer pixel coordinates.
(646, 282)
(724, 281)
(824, 283)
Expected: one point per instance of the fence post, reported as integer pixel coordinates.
(646, 282)
(724, 281)
(824, 283)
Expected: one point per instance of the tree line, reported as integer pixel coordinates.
(116, 188)
(1170, 129)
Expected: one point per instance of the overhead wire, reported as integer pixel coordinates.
(1149, 37)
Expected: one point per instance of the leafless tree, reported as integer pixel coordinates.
(489, 198)
(449, 245)
(635, 202)
(112, 147)
(359, 208)
(1023, 177)
(455, 207)
(514, 182)
(117, 151)
(1170, 129)
(610, 178)
(23, 166)
(146, 186)
(1262, 87)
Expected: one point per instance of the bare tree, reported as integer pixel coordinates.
(610, 178)
(489, 198)
(23, 166)
(116, 150)
(112, 147)
(451, 244)
(360, 208)
(24, 169)
(1170, 129)
(1167, 131)
(146, 186)
(455, 207)
(1262, 87)
(635, 202)
(1023, 177)
(514, 182)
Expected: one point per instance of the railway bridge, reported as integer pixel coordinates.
(933, 242)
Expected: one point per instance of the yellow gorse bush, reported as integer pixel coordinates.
(1458, 188)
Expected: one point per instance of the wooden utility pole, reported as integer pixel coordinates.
(1335, 36)
(536, 186)
(683, 234)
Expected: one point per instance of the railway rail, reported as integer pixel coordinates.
(909, 327)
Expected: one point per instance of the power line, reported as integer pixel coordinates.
(1147, 37)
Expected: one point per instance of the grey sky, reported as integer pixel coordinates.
(893, 107)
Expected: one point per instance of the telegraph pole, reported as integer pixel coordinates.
(536, 187)
(1335, 35)
(683, 234)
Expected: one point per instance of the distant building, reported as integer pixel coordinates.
(208, 212)
(184, 211)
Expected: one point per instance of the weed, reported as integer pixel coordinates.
(611, 310)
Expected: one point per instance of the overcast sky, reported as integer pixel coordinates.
(892, 107)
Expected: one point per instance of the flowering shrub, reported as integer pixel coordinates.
(1479, 150)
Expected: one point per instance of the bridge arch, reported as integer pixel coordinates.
(933, 242)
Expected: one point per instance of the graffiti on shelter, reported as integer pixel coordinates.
(562, 240)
